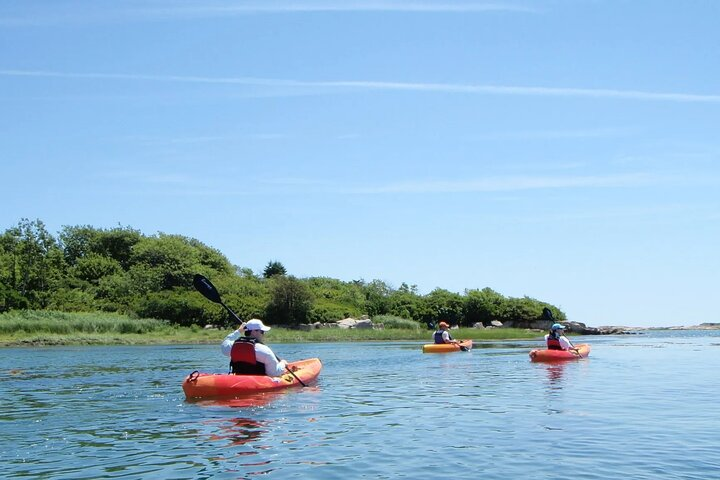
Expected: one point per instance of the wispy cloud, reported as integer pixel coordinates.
(203, 139)
(268, 7)
(513, 183)
(554, 134)
(188, 183)
(63, 13)
(147, 177)
(383, 86)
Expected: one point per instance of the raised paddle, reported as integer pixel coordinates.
(205, 286)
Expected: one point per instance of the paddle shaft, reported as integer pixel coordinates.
(291, 372)
(231, 313)
(208, 290)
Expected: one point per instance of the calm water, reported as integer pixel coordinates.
(642, 406)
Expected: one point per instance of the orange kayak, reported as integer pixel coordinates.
(207, 385)
(559, 355)
(446, 347)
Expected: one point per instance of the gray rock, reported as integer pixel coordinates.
(364, 324)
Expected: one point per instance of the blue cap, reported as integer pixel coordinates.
(557, 326)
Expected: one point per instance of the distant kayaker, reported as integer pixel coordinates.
(556, 339)
(442, 335)
(248, 355)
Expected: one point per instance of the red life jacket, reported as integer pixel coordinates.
(553, 343)
(243, 360)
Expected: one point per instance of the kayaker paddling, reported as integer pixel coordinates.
(442, 334)
(208, 290)
(248, 354)
(556, 339)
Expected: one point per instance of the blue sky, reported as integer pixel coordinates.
(563, 150)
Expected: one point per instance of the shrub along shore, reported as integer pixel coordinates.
(45, 328)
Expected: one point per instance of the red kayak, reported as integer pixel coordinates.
(208, 385)
(583, 350)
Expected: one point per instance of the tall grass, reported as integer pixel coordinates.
(280, 335)
(34, 327)
(63, 323)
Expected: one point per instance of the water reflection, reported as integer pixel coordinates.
(555, 374)
(240, 431)
(260, 399)
(245, 401)
(243, 434)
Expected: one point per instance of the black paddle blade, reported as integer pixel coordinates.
(204, 286)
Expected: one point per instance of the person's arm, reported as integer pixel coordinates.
(227, 344)
(274, 367)
(447, 338)
(565, 343)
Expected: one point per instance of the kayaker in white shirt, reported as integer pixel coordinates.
(253, 332)
(556, 339)
(442, 335)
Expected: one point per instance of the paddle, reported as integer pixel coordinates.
(462, 348)
(204, 286)
(208, 290)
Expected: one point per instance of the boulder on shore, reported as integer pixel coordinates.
(350, 322)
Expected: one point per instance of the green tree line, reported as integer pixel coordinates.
(121, 270)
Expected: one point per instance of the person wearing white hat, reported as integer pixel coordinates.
(248, 354)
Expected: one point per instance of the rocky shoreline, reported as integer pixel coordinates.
(575, 328)
(581, 329)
